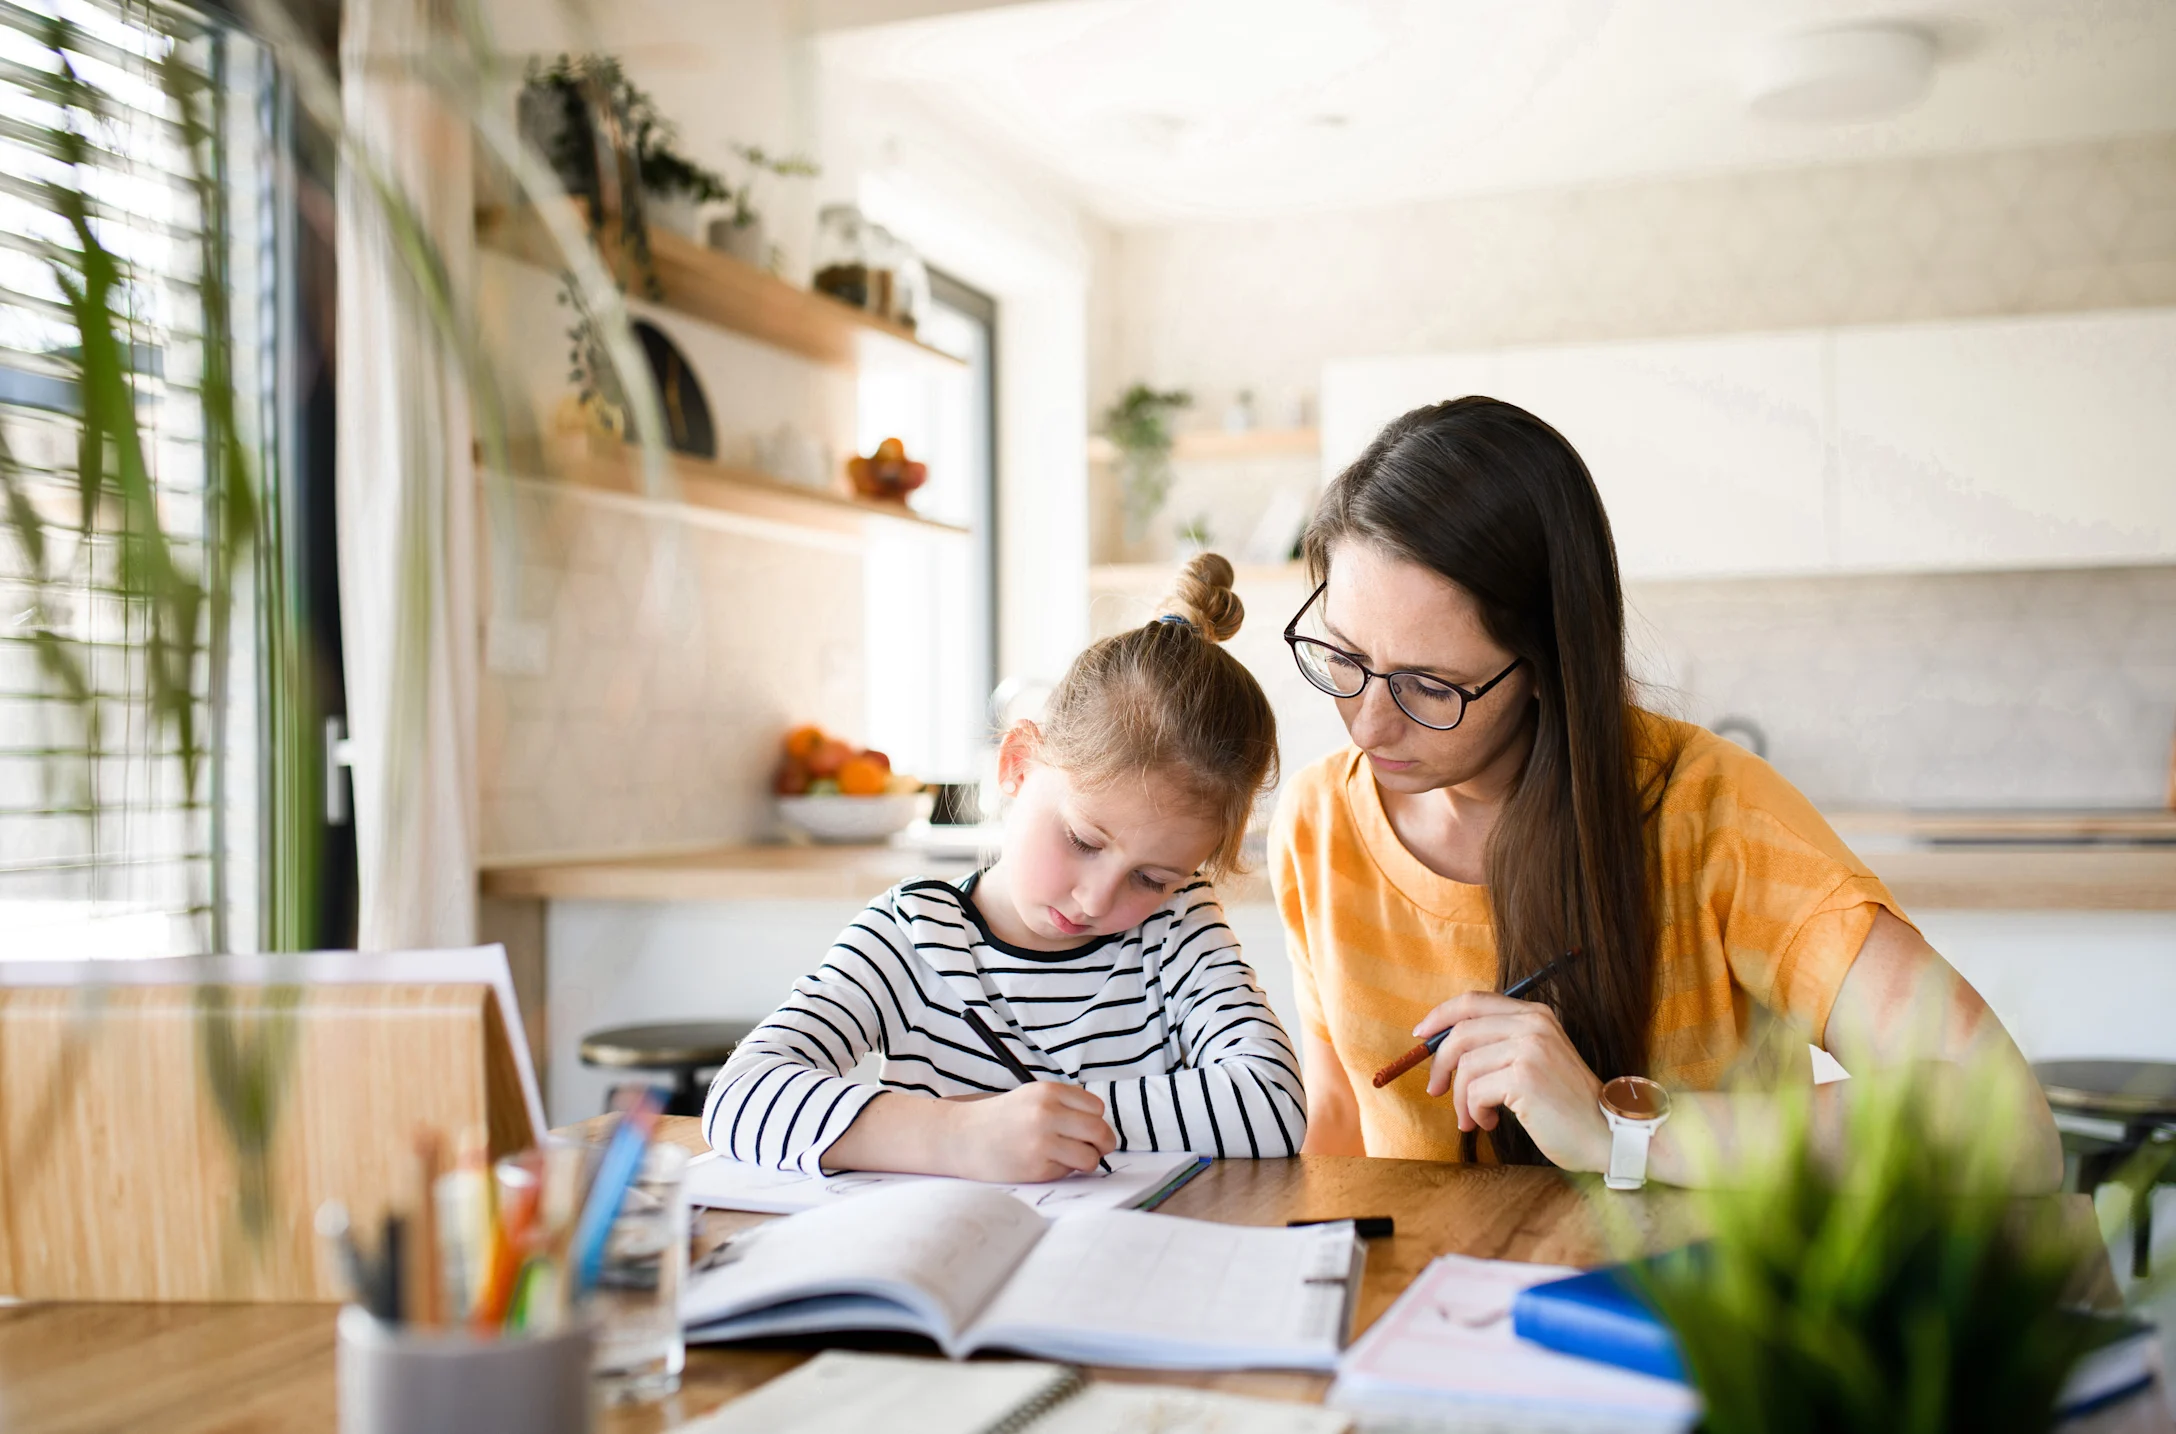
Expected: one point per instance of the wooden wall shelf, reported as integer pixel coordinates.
(604, 465)
(1212, 443)
(718, 289)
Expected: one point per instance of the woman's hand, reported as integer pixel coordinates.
(1044, 1131)
(1513, 1055)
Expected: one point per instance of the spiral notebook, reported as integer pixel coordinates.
(840, 1392)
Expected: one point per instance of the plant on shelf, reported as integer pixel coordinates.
(743, 229)
(611, 148)
(1899, 1288)
(1139, 427)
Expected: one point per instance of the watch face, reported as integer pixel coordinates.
(1636, 1098)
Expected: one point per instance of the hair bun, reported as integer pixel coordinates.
(1203, 596)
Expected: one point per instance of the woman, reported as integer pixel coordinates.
(1505, 802)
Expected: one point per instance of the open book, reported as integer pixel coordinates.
(978, 1269)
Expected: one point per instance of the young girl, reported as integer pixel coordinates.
(1094, 950)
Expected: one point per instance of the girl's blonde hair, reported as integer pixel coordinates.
(1166, 699)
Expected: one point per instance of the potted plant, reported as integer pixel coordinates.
(1897, 1288)
(742, 233)
(1139, 427)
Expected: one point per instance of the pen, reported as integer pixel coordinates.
(1429, 1047)
(1011, 1063)
(1367, 1227)
(426, 1286)
(338, 1234)
(616, 1171)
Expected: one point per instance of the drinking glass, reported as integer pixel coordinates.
(635, 1311)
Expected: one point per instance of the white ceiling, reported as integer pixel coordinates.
(1152, 111)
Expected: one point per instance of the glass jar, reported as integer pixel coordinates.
(843, 254)
(885, 253)
(910, 289)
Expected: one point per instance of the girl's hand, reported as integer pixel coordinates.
(1514, 1055)
(1044, 1131)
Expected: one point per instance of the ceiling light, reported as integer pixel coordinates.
(1841, 75)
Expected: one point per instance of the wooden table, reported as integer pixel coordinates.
(192, 1369)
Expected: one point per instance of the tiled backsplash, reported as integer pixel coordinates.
(2012, 689)
(675, 655)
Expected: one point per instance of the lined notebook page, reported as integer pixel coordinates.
(936, 1243)
(845, 1393)
(1157, 1284)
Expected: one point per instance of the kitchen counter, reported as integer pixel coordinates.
(1945, 861)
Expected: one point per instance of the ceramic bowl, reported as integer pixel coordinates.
(851, 819)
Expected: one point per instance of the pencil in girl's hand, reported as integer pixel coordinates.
(1011, 1063)
(1429, 1047)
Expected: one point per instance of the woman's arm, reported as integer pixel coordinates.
(1333, 1114)
(1899, 1006)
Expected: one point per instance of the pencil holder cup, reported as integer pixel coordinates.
(396, 1380)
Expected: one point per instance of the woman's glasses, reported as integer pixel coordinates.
(1430, 701)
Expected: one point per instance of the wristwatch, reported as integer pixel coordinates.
(1635, 1108)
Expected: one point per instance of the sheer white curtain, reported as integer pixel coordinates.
(407, 501)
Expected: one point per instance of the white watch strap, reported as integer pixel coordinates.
(1628, 1153)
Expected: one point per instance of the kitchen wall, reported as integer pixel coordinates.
(2048, 689)
(1261, 305)
(639, 669)
(2027, 689)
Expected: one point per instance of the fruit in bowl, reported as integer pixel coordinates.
(887, 473)
(832, 791)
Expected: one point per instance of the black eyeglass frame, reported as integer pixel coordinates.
(1467, 696)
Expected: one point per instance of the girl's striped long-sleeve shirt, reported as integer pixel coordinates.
(1165, 1023)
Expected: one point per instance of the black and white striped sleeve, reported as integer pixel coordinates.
(1236, 1091)
(783, 1098)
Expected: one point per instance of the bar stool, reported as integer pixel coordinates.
(680, 1049)
(2138, 1095)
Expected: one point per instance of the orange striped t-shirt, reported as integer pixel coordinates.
(1760, 904)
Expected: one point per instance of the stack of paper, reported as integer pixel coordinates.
(1445, 1354)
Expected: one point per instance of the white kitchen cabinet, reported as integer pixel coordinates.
(1708, 452)
(2030, 442)
(1996, 443)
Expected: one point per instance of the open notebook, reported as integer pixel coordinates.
(1137, 1180)
(978, 1269)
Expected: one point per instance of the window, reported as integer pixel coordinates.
(930, 617)
(125, 832)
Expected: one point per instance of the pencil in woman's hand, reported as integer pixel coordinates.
(1429, 1047)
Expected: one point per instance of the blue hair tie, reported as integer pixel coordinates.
(1174, 617)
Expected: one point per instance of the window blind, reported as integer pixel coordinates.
(113, 818)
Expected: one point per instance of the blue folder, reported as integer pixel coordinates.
(1600, 1316)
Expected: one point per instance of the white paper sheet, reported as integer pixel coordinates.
(1445, 1352)
(724, 1184)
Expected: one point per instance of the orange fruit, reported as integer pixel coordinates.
(801, 742)
(861, 777)
(829, 755)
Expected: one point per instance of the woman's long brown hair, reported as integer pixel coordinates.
(1495, 500)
